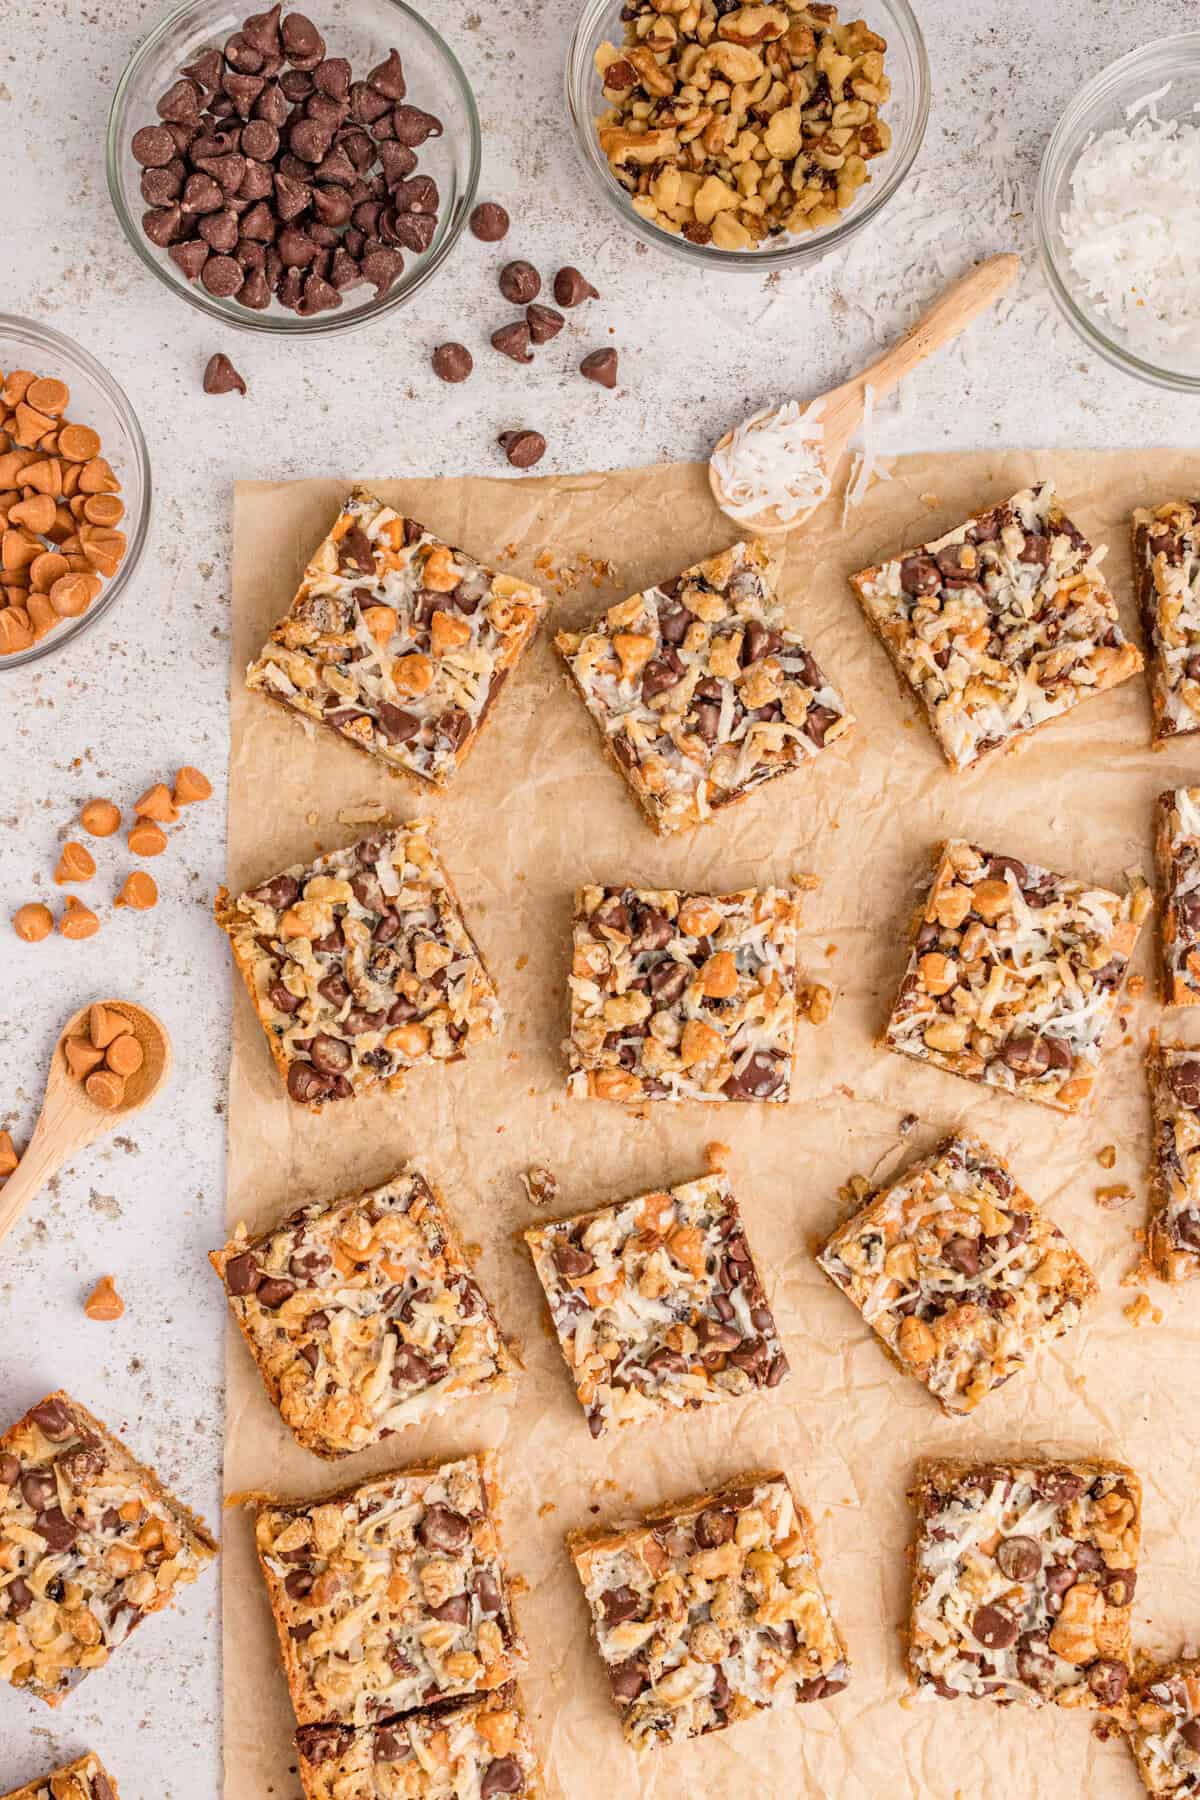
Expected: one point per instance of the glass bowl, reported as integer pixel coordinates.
(96, 400)
(363, 31)
(906, 112)
(1098, 107)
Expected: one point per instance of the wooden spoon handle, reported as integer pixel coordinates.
(962, 301)
(40, 1161)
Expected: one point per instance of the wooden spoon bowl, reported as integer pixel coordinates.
(70, 1119)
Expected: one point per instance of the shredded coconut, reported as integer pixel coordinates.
(1132, 230)
(865, 466)
(775, 459)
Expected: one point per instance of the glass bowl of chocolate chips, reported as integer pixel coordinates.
(291, 173)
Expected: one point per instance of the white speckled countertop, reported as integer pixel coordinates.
(146, 690)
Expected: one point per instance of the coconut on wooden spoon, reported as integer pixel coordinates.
(771, 473)
(110, 1061)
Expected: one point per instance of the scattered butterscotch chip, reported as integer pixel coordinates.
(104, 1026)
(33, 922)
(105, 1088)
(156, 803)
(100, 817)
(104, 1302)
(140, 891)
(1107, 1156)
(190, 785)
(1119, 1194)
(82, 1056)
(124, 1055)
(8, 1156)
(75, 864)
(1142, 1311)
(146, 838)
(716, 1157)
(78, 920)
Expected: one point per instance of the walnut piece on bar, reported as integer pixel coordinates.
(710, 1611)
(478, 1750)
(959, 1274)
(363, 1315)
(397, 641)
(700, 691)
(84, 1779)
(1164, 1726)
(360, 966)
(999, 626)
(1023, 1578)
(657, 1304)
(390, 1595)
(1166, 573)
(733, 124)
(1177, 851)
(683, 996)
(1173, 1238)
(91, 1543)
(1014, 975)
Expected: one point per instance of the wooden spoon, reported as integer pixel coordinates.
(842, 410)
(70, 1120)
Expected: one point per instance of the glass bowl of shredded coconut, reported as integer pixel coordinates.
(1118, 212)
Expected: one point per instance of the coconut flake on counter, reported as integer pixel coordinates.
(1132, 229)
(775, 458)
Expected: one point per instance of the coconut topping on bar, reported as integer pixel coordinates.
(1164, 1729)
(1173, 1241)
(1166, 569)
(1178, 848)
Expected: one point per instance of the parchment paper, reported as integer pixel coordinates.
(534, 812)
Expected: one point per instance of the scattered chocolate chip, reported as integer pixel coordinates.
(519, 282)
(600, 366)
(544, 323)
(570, 287)
(522, 448)
(452, 362)
(489, 222)
(220, 376)
(513, 340)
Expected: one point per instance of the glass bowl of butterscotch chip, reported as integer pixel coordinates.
(748, 137)
(74, 491)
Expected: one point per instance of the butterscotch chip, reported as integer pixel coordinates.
(146, 838)
(42, 616)
(47, 568)
(102, 509)
(29, 425)
(72, 594)
(78, 920)
(49, 395)
(156, 803)
(104, 1026)
(105, 1088)
(81, 1056)
(45, 476)
(17, 385)
(16, 630)
(78, 443)
(33, 922)
(104, 1303)
(8, 1156)
(191, 785)
(35, 514)
(100, 817)
(96, 477)
(75, 864)
(124, 1055)
(140, 891)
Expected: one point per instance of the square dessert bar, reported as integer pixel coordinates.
(1173, 1239)
(657, 1304)
(683, 996)
(1177, 848)
(958, 1272)
(1166, 573)
(90, 1544)
(397, 642)
(84, 1779)
(1014, 975)
(710, 1611)
(700, 691)
(1164, 1727)
(360, 966)
(390, 1596)
(1023, 1578)
(479, 1750)
(363, 1316)
(1000, 626)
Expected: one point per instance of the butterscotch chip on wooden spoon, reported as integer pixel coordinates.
(8, 1156)
(105, 1088)
(103, 1026)
(140, 891)
(82, 1057)
(124, 1055)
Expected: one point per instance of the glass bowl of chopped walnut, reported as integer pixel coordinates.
(747, 136)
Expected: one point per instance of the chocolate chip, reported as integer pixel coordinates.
(38, 1488)
(544, 323)
(570, 287)
(443, 1529)
(522, 448)
(56, 1528)
(415, 230)
(411, 126)
(52, 1417)
(306, 1084)
(763, 1075)
(331, 1055)
(381, 267)
(513, 340)
(418, 195)
(220, 376)
(1184, 1081)
(222, 276)
(570, 1260)
(454, 1611)
(387, 78)
(994, 1628)
(153, 146)
(180, 102)
(962, 1253)
(600, 366)
(713, 1527)
(272, 1292)
(489, 222)
(1019, 1558)
(1189, 1731)
(322, 1744)
(452, 362)
(303, 44)
(1108, 1680)
(519, 282)
(162, 225)
(626, 1681)
(503, 1776)
(1026, 1056)
(10, 1469)
(920, 575)
(242, 1274)
(619, 1604)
